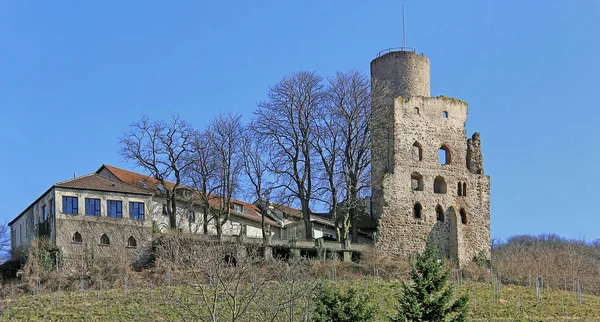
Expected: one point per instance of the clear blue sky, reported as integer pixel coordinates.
(74, 74)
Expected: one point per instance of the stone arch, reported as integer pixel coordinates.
(131, 242)
(77, 238)
(439, 213)
(416, 181)
(444, 155)
(418, 210)
(454, 250)
(439, 185)
(104, 240)
(463, 216)
(417, 152)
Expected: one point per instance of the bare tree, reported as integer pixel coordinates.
(285, 122)
(160, 149)
(202, 175)
(225, 138)
(4, 243)
(255, 168)
(350, 104)
(328, 140)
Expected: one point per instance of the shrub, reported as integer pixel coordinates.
(428, 296)
(482, 260)
(333, 305)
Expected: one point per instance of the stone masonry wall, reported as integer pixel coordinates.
(409, 72)
(91, 228)
(420, 121)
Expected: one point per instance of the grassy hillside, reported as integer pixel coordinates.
(514, 303)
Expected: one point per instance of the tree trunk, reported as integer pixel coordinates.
(205, 221)
(307, 223)
(353, 223)
(219, 229)
(172, 213)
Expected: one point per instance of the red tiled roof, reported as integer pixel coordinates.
(100, 183)
(288, 210)
(150, 184)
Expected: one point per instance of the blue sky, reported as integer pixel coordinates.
(74, 74)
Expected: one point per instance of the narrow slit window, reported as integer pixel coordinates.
(439, 213)
(464, 189)
(418, 211)
(463, 216)
(417, 152)
(445, 114)
(459, 192)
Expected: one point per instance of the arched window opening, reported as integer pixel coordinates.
(104, 240)
(444, 155)
(459, 192)
(464, 189)
(445, 114)
(439, 185)
(417, 152)
(418, 211)
(77, 238)
(439, 213)
(131, 242)
(417, 110)
(463, 216)
(416, 181)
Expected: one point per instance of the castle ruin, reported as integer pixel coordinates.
(428, 178)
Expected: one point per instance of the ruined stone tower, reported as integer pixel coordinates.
(428, 179)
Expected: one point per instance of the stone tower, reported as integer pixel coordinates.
(428, 179)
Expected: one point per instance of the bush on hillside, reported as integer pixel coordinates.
(428, 295)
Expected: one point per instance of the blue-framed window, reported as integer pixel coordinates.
(92, 207)
(44, 213)
(136, 210)
(70, 205)
(114, 208)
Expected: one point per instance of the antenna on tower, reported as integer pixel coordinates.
(404, 27)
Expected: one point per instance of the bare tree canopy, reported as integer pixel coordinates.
(349, 101)
(4, 243)
(286, 123)
(225, 139)
(202, 175)
(160, 149)
(255, 168)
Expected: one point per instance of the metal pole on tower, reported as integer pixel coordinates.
(404, 27)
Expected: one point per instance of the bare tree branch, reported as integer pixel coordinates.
(160, 148)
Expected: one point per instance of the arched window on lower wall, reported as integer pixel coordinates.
(463, 216)
(131, 242)
(418, 211)
(104, 240)
(77, 238)
(439, 213)
(439, 185)
(416, 181)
